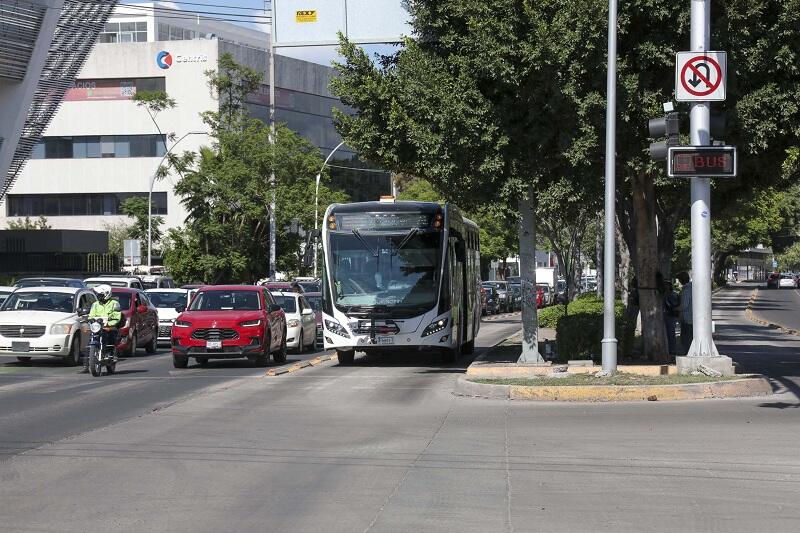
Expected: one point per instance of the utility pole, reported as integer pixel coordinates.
(609, 342)
(272, 140)
(700, 124)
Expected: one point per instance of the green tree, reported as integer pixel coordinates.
(225, 189)
(28, 224)
(136, 207)
(790, 258)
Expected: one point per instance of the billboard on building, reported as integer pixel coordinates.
(318, 22)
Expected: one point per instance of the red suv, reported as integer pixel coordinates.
(141, 321)
(230, 322)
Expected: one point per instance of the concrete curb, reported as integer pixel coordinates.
(740, 388)
(748, 312)
(300, 365)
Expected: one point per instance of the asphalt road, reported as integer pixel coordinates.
(384, 446)
(781, 306)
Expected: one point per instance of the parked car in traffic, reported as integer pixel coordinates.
(157, 282)
(309, 284)
(560, 296)
(46, 321)
(787, 281)
(131, 282)
(50, 282)
(228, 322)
(301, 324)
(772, 280)
(4, 292)
(280, 286)
(492, 300)
(504, 295)
(315, 301)
(166, 301)
(141, 321)
(516, 296)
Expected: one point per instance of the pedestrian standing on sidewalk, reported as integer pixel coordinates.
(672, 303)
(685, 311)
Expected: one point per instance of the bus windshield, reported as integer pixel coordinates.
(390, 274)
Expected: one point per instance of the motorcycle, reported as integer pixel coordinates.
(100, 355)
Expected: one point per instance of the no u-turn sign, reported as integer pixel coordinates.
(700, 76)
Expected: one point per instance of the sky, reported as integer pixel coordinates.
(323, 55)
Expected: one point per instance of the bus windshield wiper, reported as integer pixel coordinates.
(409, 235)
(365, 243)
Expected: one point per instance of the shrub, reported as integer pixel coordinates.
(585, 303)
(579, 335)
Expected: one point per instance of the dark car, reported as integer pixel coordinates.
(230, 322)
(773, 279)
(309, 285)
(504, 296)
(141, 321)
(492, 300)
(315, 300)
(50, 282)
(484, 301)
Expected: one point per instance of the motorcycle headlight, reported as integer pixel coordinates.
(435, 327)
(250, 323)
(95, 327)
(61, 329)
(182, 324)
(293, 323)
(334, 327)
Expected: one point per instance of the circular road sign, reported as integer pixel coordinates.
(701, 75)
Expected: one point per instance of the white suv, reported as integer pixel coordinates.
(301, 322)
(168, 301)
(130, 282)
(46, 321)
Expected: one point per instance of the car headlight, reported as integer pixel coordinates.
(182, 324)
(334, 327)
(435, 327)
(250, 323)
(293, 323)
(61, 329)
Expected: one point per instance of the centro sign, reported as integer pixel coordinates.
(164, 59)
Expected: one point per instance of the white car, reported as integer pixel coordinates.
(168, 301)
(787, 281)
(130, 282)
(4, 292)
(46, 321)
(301, 322)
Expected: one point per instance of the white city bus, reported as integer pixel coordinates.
(400, 276)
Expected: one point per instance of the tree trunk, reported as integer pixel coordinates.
(527, 263)
(718, 260)
(624, 273)
(651, 302)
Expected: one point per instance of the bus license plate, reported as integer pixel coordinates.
(384, 340)
(214, 345)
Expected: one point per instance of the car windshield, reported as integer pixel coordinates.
(287, 303)
(47, 283)
(225, 300)
(495, 285)
(124, 300)
(315, 302)
(309, 286)
(60, 302)
(371, 270)
(167, 300)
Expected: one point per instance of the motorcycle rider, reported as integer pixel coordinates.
(110, 312)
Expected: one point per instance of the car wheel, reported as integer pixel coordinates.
(280, 356)
(301, 346)
(74, 355)
(152, 346)
(180, 361)
(346, 357)
(132, 346)
(261, 359)
(25, 360)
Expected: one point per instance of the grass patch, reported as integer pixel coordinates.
(617, 379)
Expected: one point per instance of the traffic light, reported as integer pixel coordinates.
(668, 127)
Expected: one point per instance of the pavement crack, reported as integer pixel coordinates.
(411, 467)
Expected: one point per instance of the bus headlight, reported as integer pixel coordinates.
(334, 327)
(435, 327)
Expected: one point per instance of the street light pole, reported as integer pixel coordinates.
(150, 197)
(609, 343)
(316, 203)
(272, 140)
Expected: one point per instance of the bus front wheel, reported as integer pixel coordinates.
(346, 357)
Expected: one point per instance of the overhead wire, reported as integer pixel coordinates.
(194, 12)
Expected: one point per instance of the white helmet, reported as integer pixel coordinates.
(103, 292)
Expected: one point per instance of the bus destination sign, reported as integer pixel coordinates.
(701, 162)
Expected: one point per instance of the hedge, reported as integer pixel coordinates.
(585, 303)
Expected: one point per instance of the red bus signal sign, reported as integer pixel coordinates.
(701, 162)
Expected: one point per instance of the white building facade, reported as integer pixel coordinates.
(100, 148)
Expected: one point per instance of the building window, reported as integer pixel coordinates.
(34, 205)
(97, 146)
(124, 32)
(169, 32)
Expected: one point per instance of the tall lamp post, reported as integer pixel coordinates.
(316, 203)
(150, 197)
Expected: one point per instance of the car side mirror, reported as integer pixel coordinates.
(83, 311)
(141, 309)
(308, 311)
(180, 308)
(274, 308)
